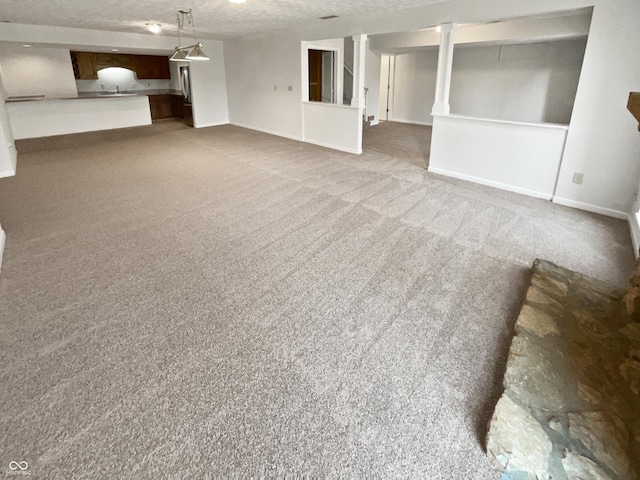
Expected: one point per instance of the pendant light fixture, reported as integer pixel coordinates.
(196, 52)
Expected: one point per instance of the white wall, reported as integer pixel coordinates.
(45, 118)
(537, 84)
(372, 82)
(254, 67)
(37, 71)
(8, 153)
(2, 241)
(519, 157)
(603, 141)
(414, 87)
(209, 87)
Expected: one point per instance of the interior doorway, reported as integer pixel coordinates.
(322, 78)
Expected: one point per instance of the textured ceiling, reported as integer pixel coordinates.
(213, 18)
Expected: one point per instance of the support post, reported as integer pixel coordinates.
(445, 66)
(359, 53)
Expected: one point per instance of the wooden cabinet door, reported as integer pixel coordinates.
(86, 66)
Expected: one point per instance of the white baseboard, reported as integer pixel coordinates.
(3, 237)
(211, 125)
(270, 132)
(591, 208)
(634, 229)
(334, 147)
(491, 183)
(374, 122)
(413, 122)
(7, 173)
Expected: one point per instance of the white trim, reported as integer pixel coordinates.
(211, 125)
(558, 126)
(373, 123)
(334, 147)
(590, 208)
(265, 130)
(490, 183)
(7, 173)
(2, 241)
(412, 122)
(634, 230)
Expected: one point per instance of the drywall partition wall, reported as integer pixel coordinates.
(603, 141)
(260, 71)
(8, 152)
(333, 126)
(3, 237)
(518, 157)
(37, 71)
(383, 97)
(372, 74)
(534, 82)
(414, 87)
(209, 88)
(45, 118)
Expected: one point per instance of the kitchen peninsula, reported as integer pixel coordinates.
(46, 117)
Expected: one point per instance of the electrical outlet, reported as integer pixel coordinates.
(578, 177)
(291, 88)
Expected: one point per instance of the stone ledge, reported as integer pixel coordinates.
(571, 402)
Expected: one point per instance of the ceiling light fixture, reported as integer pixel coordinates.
(27, 46)
(237, 1)
(181, 52)
(154, 27)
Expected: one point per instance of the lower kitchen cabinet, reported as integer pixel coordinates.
(166, 106)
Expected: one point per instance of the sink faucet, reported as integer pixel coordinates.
(117, 88)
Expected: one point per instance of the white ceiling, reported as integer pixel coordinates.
(213, 18)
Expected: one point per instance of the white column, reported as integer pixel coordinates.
(445, 65)
(2, 239)
(359, 49)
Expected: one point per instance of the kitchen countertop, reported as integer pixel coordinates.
(93, 96)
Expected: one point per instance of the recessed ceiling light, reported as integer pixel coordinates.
(237, 1)
(154, 27)
(28, 46)
(115, 50)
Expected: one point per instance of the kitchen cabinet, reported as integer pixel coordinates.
(147, 67)
(162, 106)
(84, 67)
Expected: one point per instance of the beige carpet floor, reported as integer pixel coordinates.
(222, 302)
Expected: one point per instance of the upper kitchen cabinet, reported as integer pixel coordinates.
(147, 67)
(84, 67)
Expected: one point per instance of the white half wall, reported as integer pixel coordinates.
(3, 238)
(37, 71)
(45, 118)
(518, 157)
(414, 87)
(8, 153)
(209, 87)
(333, 126)
(523, 83)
